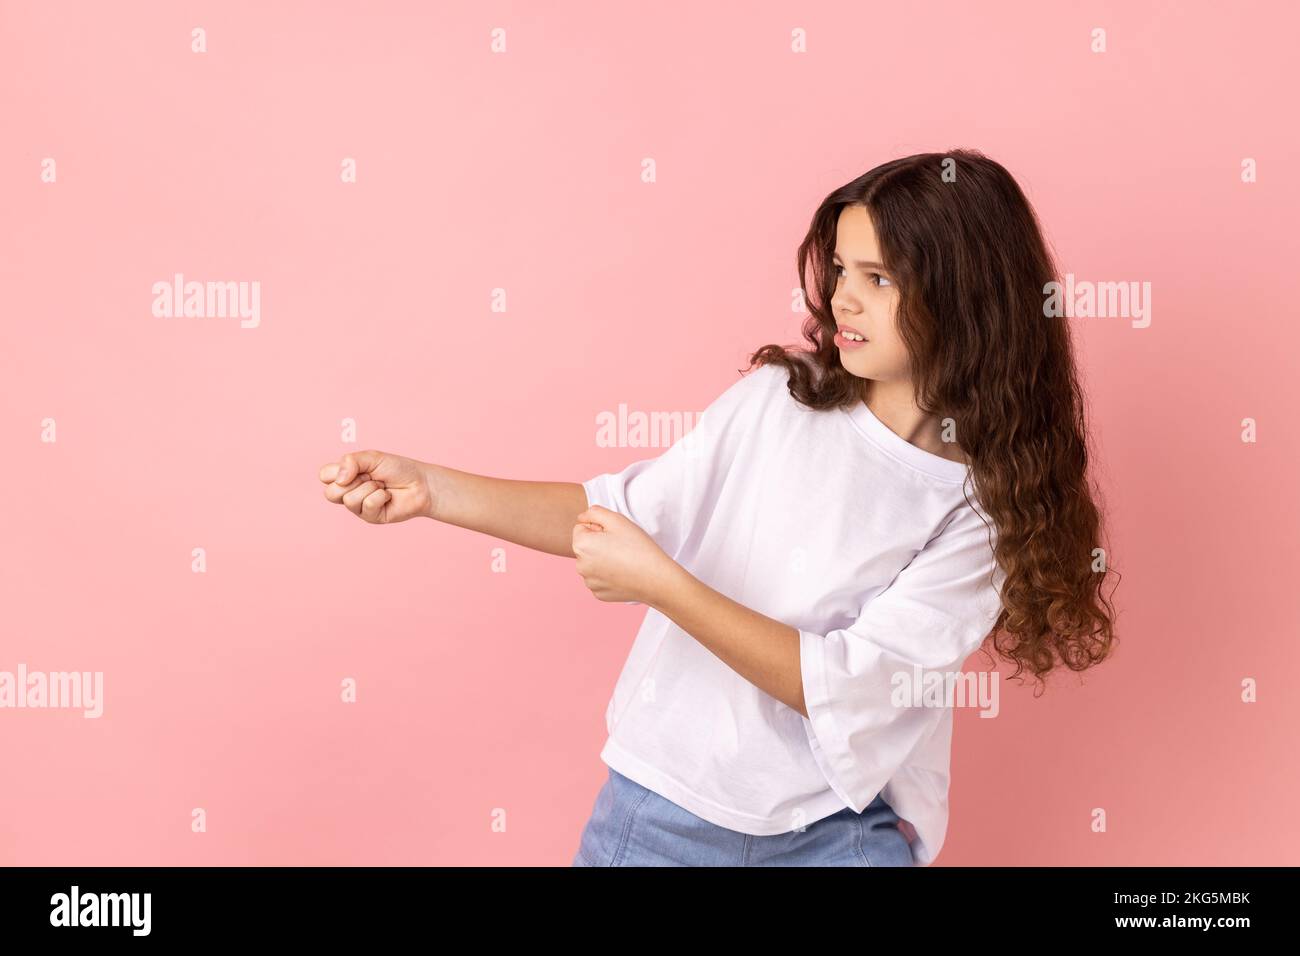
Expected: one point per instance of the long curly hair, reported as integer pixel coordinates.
(972, 268)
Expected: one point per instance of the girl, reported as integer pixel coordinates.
(820, 554)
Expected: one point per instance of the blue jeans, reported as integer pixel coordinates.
(631, 825)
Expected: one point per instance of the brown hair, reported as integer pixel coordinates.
(971, 267)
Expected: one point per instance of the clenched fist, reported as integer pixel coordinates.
(378, 487)
(618, 561)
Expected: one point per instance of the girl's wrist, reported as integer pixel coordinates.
(673, 581)
(432, 482)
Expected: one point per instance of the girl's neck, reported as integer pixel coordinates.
(895, 405)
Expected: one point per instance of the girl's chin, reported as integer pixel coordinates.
(857, 365)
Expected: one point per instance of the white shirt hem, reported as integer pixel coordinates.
(816, 808)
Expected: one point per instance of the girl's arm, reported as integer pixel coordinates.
(535, 514)
(381, 488)
(618, 561)
(759, 648)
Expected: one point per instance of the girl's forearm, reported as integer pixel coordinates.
(535, 514)
(760, 649)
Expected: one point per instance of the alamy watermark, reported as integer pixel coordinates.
(58, 690)
(76, 908)
(1098, 300)
(176, 298)
(922, 688)
(631, 429)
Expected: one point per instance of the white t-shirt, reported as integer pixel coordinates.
(831, 523)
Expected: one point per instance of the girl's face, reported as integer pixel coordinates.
(866, 301)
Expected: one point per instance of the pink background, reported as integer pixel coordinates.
(481, 690)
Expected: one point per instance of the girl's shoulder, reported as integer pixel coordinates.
(752, 385)
(743, 407)
(769, 375)
(764, 379)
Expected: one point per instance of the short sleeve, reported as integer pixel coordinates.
(938, 610)
(665, 495)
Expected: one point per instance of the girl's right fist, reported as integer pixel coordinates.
(379, 488)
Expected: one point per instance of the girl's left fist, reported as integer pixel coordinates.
(617, 560)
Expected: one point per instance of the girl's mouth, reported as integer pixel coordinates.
(844, 342)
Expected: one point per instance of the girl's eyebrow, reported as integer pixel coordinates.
(868, 264)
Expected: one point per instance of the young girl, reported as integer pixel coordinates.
(842, 528)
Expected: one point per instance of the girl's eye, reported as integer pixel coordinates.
(876, 278)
